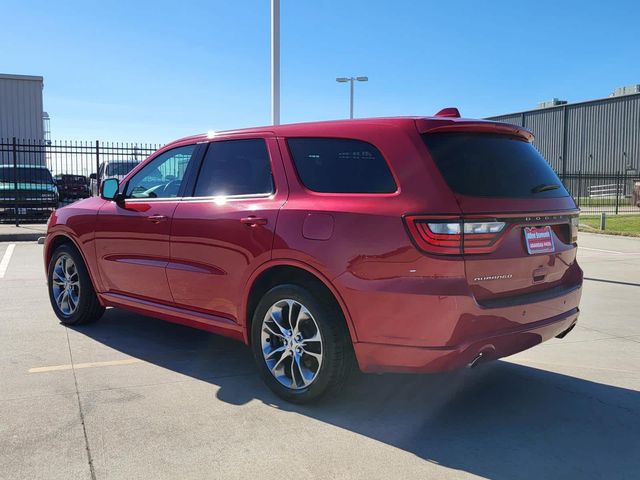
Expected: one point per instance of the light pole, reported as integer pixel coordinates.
(275, 62)
(351, 80)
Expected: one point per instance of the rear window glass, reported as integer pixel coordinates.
(332, 165)
(485, 165)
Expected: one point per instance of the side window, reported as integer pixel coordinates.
(335, 165)
(161, 178)
(235, 167)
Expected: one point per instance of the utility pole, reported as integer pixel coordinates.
(275, 62)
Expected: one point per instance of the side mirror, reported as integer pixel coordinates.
(93, 176)
(109, 189)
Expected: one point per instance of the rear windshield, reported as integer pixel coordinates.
(486, 165)
(120, 168)
(25, 175)
(73, 178)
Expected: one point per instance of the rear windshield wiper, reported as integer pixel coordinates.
(545, 187)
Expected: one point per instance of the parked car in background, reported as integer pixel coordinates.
(72, 187)
(110, 169)
(410, 244)
(27, 190)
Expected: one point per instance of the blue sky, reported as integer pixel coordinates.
(152, 71)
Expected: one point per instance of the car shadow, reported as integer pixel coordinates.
(500, 420)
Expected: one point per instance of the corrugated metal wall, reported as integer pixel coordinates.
(21, 107)
(601, 136)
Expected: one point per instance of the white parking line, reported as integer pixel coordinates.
(68, 366)
(4, 264)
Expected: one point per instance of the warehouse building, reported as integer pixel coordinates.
(594, 146)
(22, 117)
(21, 110)
(597, 137)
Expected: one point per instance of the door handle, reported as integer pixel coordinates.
(157, 218)
(252, 221)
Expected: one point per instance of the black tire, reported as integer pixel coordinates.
(337, 356)
(88, 308)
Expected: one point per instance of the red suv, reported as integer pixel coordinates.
(407, 244)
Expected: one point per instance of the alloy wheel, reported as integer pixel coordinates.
(291, 344)
(66, 285)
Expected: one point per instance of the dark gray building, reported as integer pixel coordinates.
(596, 137)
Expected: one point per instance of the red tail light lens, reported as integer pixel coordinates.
(453, 236)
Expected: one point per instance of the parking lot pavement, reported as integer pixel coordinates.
(133, 397)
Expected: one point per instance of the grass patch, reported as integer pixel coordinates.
(604, 201)
(615, 224)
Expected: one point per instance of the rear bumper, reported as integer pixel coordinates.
(431, 324)
(374, 357)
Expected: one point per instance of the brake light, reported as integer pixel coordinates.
(454, 236)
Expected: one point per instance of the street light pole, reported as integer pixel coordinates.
(351, 98)
(275, 62)
(351, 81)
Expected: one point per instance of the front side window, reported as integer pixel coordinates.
(162, 177)
(335, 165)
(235, 167)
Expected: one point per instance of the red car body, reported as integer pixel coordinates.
(197, 262)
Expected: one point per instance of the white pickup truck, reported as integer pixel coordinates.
(110, 169)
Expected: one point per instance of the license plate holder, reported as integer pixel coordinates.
(539, 240)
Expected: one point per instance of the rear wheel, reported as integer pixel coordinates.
(71, 292)
(300, 343)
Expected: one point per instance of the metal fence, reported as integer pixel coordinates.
(617, 193)
(39, 176)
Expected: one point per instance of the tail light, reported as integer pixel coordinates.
(574, 229)
(454, 236)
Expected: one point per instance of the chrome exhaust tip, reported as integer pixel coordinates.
(566, 332)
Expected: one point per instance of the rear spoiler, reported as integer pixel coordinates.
(427, 125)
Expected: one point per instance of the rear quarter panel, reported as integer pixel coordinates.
(368, 256)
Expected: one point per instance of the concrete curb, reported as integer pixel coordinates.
(23, 233)
(20, 237)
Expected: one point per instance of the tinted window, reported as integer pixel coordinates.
(25, 175)
(493, 166)
(235, 167)
(120, 168)
(340, 166)
(162, 176)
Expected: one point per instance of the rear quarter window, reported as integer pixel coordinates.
(486, 165)
(335, 165)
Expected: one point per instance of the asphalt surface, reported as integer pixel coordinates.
(132, 397)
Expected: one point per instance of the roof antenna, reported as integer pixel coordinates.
(451, 112)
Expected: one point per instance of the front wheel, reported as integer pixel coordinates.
(300, 343)
(71, 292)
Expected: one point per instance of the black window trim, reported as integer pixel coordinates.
(198, 169)
(353, 194)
